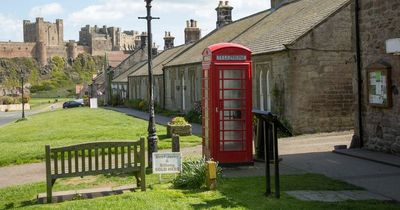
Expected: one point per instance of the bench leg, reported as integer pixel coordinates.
(49, 183)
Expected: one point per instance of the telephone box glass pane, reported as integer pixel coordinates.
(233, 146)
(232, 74)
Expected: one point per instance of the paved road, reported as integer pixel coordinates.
(8, 117)
(162, 120)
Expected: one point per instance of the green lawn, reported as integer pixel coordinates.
(24, 142)
(232, 193)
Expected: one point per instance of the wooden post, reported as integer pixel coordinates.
(49, 183)
(142, 165)
(175, 143)
(211, 180)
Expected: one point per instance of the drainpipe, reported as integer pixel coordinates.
(360, 142)
(164, 90)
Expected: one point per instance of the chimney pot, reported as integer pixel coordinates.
(226, 3)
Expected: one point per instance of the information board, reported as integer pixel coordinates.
(167, 163)
(379, 87)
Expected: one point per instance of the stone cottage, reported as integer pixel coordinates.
(302, 57)
(377, 119)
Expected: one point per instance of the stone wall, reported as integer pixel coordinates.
(17, 49)
(379, 21)
(320, 94)
(183, 87)
(138, 88)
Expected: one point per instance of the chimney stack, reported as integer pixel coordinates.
(224, 14)
(192, 32)
(275, 4)
(143, 40)
(168, 40)
(154, 49)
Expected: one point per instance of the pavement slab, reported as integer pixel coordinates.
(336, 196)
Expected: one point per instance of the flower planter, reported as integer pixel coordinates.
(181, 130)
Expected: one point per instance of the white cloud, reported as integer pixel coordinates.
(10, 29)
(106, 11)
(46, 10)
(173, 14)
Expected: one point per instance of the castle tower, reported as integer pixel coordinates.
(224, 14)
(60, 31)
(41, 53)
(72, 51)
(192, 32)
(168, 40)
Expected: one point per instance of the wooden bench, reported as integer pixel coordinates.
(93, 159)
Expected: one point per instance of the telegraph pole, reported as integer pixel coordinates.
(152, 135)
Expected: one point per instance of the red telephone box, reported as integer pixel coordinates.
(227, 104)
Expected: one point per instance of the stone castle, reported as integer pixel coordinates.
(43, 40)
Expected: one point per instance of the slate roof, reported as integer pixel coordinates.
(267, 31)
(123, 77)
(224, 34)
(159, 61)
(289, 23)
(129, 65)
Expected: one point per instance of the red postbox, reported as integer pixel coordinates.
(227, 104)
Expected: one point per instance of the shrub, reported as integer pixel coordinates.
(193, 174)
(193, 116)
(5, 100)
(178, 121)
(143, 105)
(26, 99)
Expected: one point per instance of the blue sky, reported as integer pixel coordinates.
(120, 13)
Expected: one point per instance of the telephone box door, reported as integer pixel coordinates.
(232, 126)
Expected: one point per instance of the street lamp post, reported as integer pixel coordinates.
(152, 135)
(22, 94)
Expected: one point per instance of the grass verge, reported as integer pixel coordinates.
(232, 193)
(24, 142)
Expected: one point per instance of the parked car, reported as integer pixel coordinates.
(71, 104)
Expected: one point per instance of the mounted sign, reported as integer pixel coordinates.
(231, 57)
(167, 163)
(379, 85)
(393, 46)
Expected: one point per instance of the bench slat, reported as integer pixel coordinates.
(135, 156)
(122, 157)
(90, 173)
(94, 145)
(96, 159)
(76, 161)
(55, 163)
(69, 162)
(62, 163)
(129, 156)
(116, 157)
(83, 160)
(103, 159)
(90, 159)
(109, 158)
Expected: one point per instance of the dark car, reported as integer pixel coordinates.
(71, 104)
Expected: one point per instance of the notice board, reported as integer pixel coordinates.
(379, 85)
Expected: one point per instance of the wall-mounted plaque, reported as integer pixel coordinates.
(379, 85)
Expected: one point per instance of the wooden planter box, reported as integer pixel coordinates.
(181, 130)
